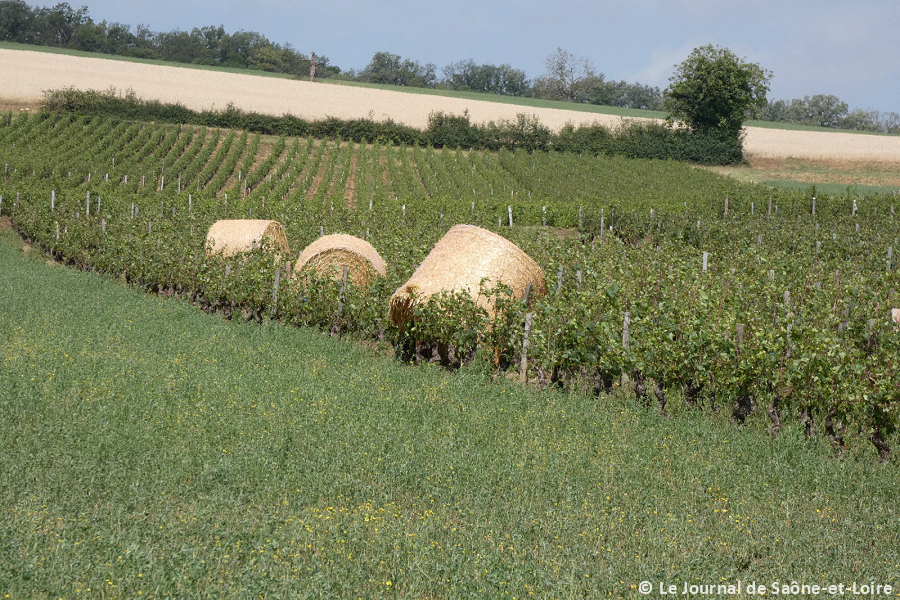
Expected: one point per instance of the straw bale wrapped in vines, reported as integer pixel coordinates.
(461, 260)
(330, 254)
(233, 236)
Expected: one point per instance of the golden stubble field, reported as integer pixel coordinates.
(26, 75)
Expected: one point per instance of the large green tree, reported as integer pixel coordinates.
(16, 21)
(715, 91)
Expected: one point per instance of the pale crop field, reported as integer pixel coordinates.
(26, 75)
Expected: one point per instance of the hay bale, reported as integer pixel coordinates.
(328, 256)
(233, 236)
(459, 262)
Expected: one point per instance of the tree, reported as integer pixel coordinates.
(56, 26)
(16, 21)
(181, 46)
(714, 91)
(776, 111)
(504, 80)
(887, 122)
(821, 110)
(860, 120)
(567, 77)
(269, 58)
(89, 37)
(391, 69)
(237, 49)
(621, 93)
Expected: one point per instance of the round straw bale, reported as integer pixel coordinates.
(464, 257)
(233, 236)
(328, 256)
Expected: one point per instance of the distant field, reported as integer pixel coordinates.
(27, 74)
(829, 176)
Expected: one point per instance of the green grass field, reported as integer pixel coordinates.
(151, 450)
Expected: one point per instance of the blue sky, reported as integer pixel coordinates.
(849, 49)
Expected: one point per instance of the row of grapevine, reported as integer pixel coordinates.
(722, 293)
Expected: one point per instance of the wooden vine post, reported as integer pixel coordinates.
(340, 306)
(529, 317)
(275, 291)
(626, 341)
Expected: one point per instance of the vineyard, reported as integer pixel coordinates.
(670, 279)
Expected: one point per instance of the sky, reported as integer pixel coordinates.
(848, 49)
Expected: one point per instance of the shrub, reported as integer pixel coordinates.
(452, 131)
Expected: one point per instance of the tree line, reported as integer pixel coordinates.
(826, 110)
(567, 78)
(63, 26)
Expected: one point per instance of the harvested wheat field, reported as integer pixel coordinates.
(26, 74)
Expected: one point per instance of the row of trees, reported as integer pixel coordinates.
(825, 110)
(575, 79)
(568, 78)
(65, 27)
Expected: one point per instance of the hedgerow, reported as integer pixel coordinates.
(634, 139)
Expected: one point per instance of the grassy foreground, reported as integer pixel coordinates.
(150, 450)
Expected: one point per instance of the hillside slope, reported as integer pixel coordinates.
(27, 74)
